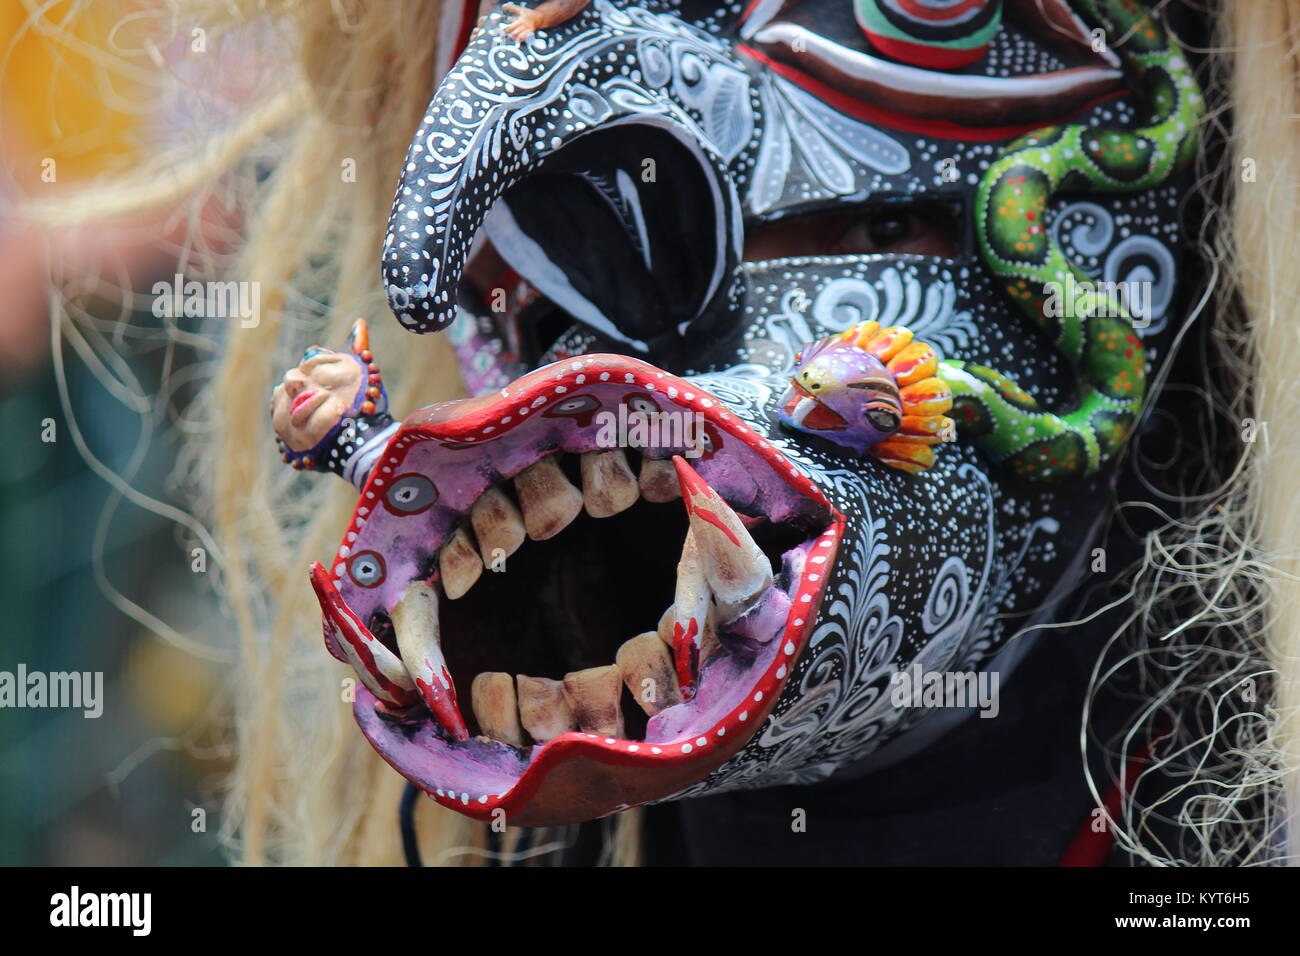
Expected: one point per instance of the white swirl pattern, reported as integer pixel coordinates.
(897, 295)
(506, 106)
(827, 143)
(1087, 231)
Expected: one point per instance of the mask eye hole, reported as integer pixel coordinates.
(886, 227)
(928, 229)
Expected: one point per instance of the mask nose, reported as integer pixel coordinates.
(294, 381)
(626, 216)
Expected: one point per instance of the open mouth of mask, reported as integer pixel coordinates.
(524, 596)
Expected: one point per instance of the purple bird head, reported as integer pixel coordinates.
(843, 393)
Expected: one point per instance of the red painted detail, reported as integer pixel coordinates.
(749, 11)
(442, 704)
(904, 366)
(823, 419)
(713, 519)
(303, 398)
(923, 55)
(942, 129)
(349, 627)
(693, 486)
(331, 645)
(951, 12)
(686, 655)
(1091, 847)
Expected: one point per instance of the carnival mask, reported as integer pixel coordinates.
(706, 504)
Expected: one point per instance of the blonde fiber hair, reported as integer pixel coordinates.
(310, 164)
(1263, 40)
(1211, 633)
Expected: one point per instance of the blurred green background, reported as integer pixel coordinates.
(89, 93)
(122, 788)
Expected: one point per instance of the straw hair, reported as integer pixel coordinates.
(1264, 40)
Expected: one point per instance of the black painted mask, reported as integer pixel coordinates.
(886, 463)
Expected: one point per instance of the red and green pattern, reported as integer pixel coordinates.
(933, 34)
(1095, 332)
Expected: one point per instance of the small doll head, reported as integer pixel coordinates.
(330, 406)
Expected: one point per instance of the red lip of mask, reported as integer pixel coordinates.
(701, 514)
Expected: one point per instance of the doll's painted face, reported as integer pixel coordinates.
(314, 397)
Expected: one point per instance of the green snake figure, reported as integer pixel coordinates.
(1088, 323)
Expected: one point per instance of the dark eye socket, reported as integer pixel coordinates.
(888, 227)
(883, 419)
(921, 228)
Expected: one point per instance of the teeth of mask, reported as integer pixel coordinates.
(690, 612)
(593, 694)
(543, 709)
(658, 480)
(379, 668)
(720, 576)
(415, 621)
(665, 626)
(495, 708)
(736, 569)
(497, 524)
(459, 564)
(548, 499)
(647, 669)
(608, 484)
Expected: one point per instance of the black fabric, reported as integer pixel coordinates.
(1002, 791)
